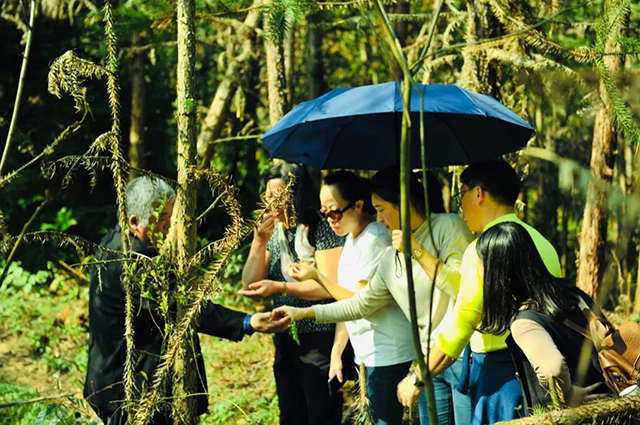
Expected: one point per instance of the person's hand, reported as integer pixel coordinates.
(293, 312)
(578, 395)
(264, 229)
(396, 241)
(303, 271)
(335, 368)
(408, 393)
(261, 322)
(262, 289)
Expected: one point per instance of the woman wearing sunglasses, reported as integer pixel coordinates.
(382, 341)
(292, 234)
(388, 284)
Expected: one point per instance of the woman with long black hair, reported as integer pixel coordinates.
(539, 309)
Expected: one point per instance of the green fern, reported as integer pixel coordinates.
(293, 331)
(282, 15)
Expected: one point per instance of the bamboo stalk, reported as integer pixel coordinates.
(405, 169)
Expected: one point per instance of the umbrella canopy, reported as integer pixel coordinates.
(359, 128)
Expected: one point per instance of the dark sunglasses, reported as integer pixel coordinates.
(335, 215)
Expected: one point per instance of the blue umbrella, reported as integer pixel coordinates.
(359, 128)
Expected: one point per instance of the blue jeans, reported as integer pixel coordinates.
(382, 383)
(452, 406)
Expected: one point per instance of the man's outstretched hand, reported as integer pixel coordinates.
(261, 322)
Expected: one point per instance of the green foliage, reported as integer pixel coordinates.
(64, 221)
(20, 280)
(40, 413)
(282, 15)
(189, 105)
(293, 331)
(609, 29)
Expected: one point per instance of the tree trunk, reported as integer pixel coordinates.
(314, 68)
(275, 78)
(477, 74)
(593, 236)
(636, 300)
(184, 215)
(402, 7)
(217, 113)
(136, 132)
(622, 410)
(289, 60)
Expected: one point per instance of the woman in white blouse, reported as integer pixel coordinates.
(382, 341)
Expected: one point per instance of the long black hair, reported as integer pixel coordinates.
(305, 193)
(351, 188)
(385, 184)
(515, 275)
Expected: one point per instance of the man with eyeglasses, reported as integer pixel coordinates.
(488, 195)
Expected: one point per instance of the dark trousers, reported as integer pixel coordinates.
(382, 386)
(301, 373)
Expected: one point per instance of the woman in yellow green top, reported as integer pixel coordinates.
(488, 194)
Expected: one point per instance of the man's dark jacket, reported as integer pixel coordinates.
(103, 387)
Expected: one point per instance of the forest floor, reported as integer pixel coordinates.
(43, 353)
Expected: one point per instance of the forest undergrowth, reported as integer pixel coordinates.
(43, 353)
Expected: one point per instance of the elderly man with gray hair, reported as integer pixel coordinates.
(104, 389)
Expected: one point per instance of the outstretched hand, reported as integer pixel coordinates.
(303, 271)
(262, 322)
(261, 289)
(292, 312)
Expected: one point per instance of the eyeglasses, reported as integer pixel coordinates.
(335, 215)
(457, 197)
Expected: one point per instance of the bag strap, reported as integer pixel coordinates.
(592, 319)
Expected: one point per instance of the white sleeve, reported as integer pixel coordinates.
(364, 302)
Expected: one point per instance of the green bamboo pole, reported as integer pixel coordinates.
(405, 217)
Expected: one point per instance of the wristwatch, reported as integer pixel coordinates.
(415, 380)
(417, 253)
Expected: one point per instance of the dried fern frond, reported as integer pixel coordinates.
(66, 75)
(4, 233)
(81, 245)
(4, 180)
(360, 404)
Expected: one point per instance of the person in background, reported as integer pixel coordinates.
(388, 284)
(521, 295)
(292, 234)
(488, 194)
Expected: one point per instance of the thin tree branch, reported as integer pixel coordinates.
(504, 36)
(20, 237)
(34, 400)
(23, 74)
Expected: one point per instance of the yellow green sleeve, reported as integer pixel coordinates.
(461, 322)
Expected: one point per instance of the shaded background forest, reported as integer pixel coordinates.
(549, 72)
